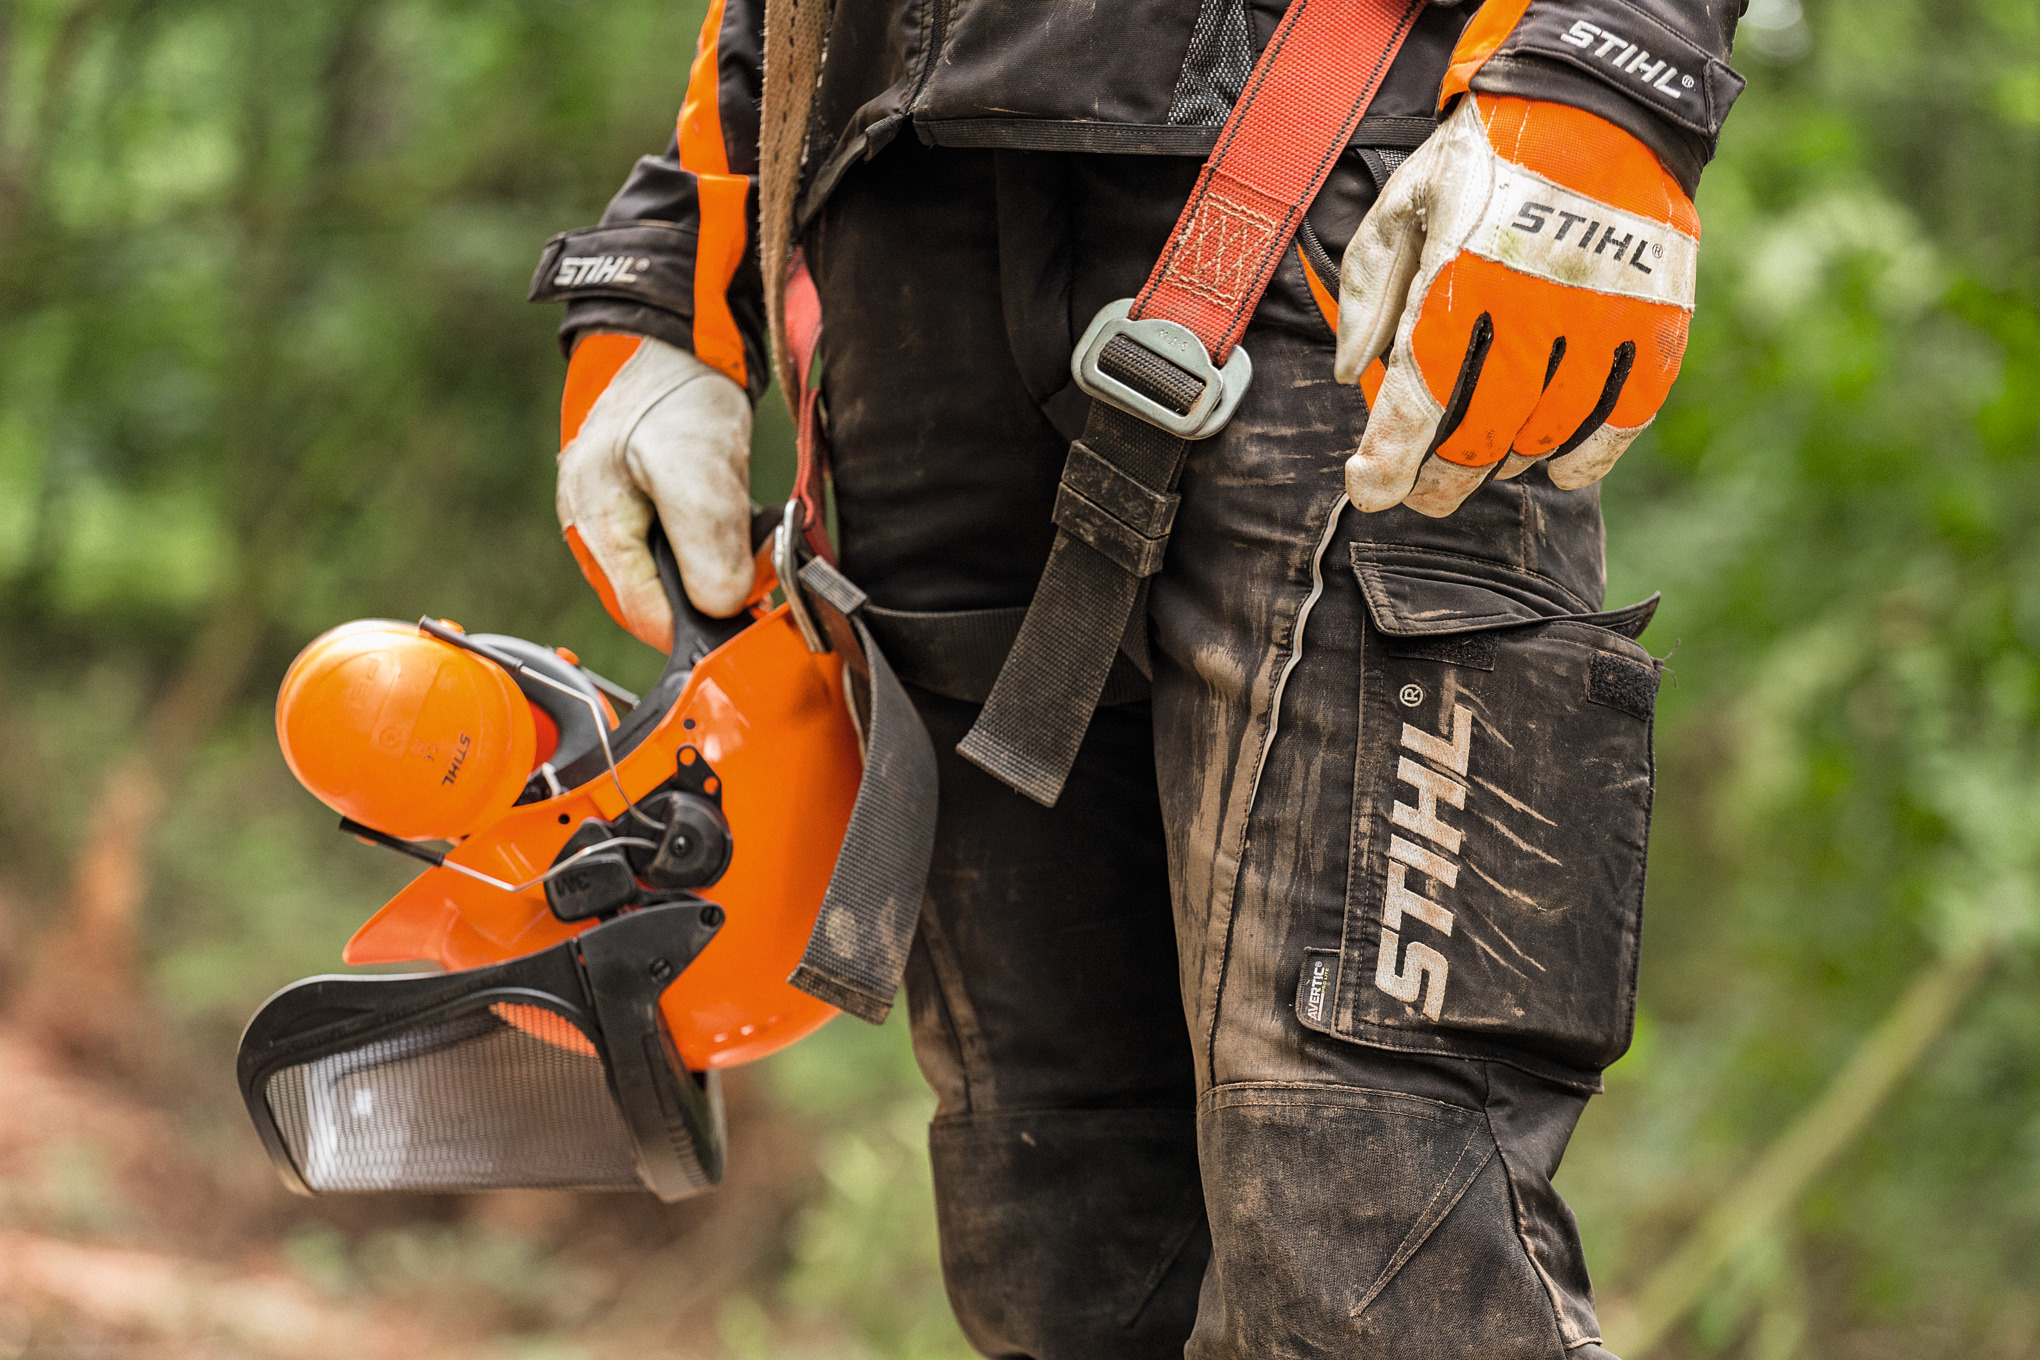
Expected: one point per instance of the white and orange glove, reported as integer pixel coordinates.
(646, 428)
(1528, 276)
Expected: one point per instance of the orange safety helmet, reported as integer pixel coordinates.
(674, 861)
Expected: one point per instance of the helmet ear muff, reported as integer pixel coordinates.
(403, 732)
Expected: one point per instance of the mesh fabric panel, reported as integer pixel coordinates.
(504, 1097)
(1216, 66)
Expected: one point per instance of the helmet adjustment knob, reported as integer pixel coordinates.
(607, 866)
(695, 847)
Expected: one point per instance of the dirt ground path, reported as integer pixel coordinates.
(119, 1237)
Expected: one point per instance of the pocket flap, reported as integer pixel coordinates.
(1419, 592)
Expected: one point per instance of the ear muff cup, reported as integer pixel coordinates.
(403, 732)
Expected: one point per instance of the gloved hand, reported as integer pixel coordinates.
(1529, 274)
(647, 427)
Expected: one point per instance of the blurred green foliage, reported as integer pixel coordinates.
(265, 366)
(1841, 504)
(863, 1250)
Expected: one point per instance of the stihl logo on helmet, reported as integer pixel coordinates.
(460, 755)
(583, 271)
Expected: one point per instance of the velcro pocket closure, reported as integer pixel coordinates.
(1619, 682)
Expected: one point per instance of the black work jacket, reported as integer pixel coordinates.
(675, 254)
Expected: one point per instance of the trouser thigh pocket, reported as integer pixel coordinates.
(1501, 815)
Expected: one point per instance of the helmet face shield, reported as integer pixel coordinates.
(551, 1071)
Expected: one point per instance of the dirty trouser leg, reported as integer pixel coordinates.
(1042, 985)
(1405, 771)
(1042, 989)
(1376, 1138)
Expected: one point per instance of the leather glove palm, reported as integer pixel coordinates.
(1529, 275)
(648, 428)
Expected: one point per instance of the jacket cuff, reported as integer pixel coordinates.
(628, 276)
(1581, 52)
(631, 318)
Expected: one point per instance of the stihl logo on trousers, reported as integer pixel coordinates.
(1631, 60)
(582, 271)
(1418, 970)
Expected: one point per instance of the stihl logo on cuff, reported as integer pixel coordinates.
(1416, 975)
(582, 271)
(1634, 52)
(1628, 58)
(1540, 228)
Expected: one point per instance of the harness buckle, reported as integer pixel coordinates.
(786, 565)
(1148, 367)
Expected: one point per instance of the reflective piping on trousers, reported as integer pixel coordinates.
(1317, 588)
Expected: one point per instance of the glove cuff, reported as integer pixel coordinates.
(1682, 152)
(1668, 86)
(595, 362)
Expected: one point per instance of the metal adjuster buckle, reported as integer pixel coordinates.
(1176, 344)
(786, 565)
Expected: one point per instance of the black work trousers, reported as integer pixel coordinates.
(1267, 1039)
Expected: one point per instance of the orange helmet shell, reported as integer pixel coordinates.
(400, 731)
(773, 721)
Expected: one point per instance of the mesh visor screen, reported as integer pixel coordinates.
(504, 1096)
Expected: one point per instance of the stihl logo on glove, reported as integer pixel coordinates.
(1529, 276)
(1573, 240)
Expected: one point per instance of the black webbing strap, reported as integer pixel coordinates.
(857, 952)
(956, 653)
(1113, 513)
